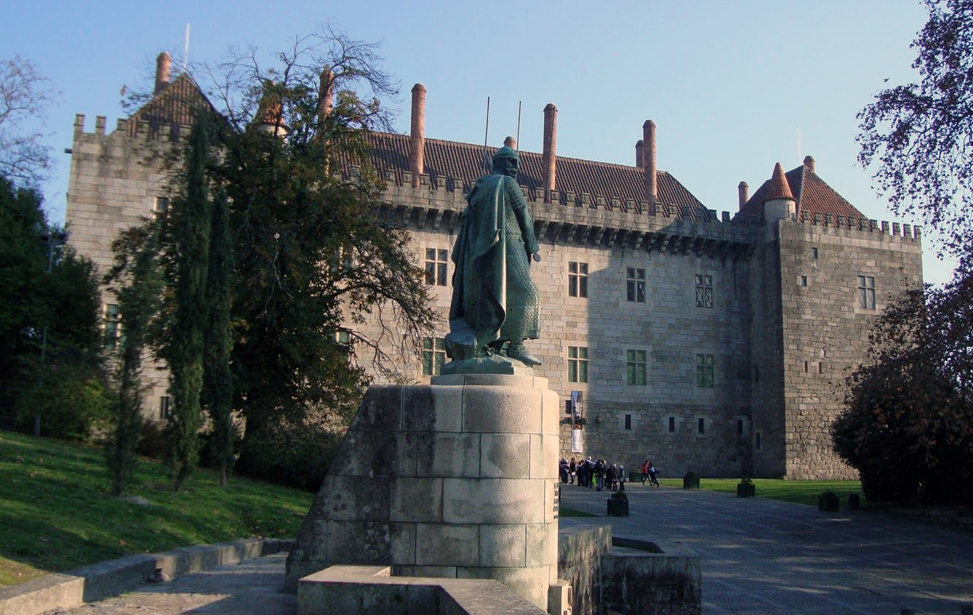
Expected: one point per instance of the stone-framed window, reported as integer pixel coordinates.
(636, 367)
(705, 373)
(701, 426)
(164, 407)
(635, 285)
(866, 292)
(628, 422)
(578, 364)
(704, 290)
(578, 279)
(756, 440)
(342, 337)
(803, 280)
(113, 325)
(161, 207)
(433, 355)
(436, 262)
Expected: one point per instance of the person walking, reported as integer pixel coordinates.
(653, 475)
(645, 471)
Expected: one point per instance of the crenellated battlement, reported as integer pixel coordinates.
(865, 225)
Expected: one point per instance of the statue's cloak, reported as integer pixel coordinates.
(477, 310)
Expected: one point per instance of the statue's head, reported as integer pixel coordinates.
(506, 161)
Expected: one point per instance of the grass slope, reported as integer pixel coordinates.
(798, 491)
(57, 513)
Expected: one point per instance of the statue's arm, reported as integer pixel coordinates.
(526, 223)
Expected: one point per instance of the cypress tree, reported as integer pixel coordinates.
(190, 232)
(218, 378)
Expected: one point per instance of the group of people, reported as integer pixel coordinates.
(593, 474)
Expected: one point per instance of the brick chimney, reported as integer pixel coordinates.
(809, 163)
(638, 154)
(743, 190)
(550, 150)
(163, 67)
(326, 104)
(649, 160)
(417, 140)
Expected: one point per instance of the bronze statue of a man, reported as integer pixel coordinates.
(495, 304)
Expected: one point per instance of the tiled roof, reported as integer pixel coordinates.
(812, 194)
(779, 188)
(390, 152)
(175, 104)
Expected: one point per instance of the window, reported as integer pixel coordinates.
(628, 422)
(635, 285)
(161, 207)
(820, 367)
(805, 367)
(635, 367)
(803, 280)
(433, 356)
(436, 262)
(701, 425)
(757, 441)
(866, 292)
(578, 280)
(113, 326)
(577, 364)
(756, 373)
(704, 291)
(164, 411)
(342, 337)
(704, 371)
(739, 427)
(672, 424)
(814, 253)
(567, 406)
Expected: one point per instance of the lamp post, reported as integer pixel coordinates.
(57, 237)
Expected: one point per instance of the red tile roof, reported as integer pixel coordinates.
(779, 188)
(390, 152)
(175, 104)
(812, 194)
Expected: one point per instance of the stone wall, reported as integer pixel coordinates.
(825, 329)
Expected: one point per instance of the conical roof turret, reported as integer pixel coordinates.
(779, 188)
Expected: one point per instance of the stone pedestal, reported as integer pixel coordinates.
(455, 479)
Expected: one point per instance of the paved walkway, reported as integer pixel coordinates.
(759, 557)
(763, 557)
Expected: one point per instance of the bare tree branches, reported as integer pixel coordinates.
(25, 96)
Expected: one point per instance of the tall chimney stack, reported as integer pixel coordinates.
(744, 192)
(163, 67)
(417, 140)
(638, 154)
(649, 160)
(550, 149)
(326, 104)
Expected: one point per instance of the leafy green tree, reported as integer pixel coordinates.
(919, 134)
(187, 259)
(49, 322)
(311, 251)
(135, 281)
(217, 339)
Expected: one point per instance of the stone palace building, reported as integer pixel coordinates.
(714, 343)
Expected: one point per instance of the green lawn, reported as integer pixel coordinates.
(56, 511)
(799, 491)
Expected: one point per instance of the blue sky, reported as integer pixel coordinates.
(733, 86)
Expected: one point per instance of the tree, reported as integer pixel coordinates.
(217, 339)
(920, 134)
(186, 260)
(135, 281)
(908, 426)
(49, 322)
(24, 98)
(310, 250)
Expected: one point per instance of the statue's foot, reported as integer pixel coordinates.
(520, 353)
